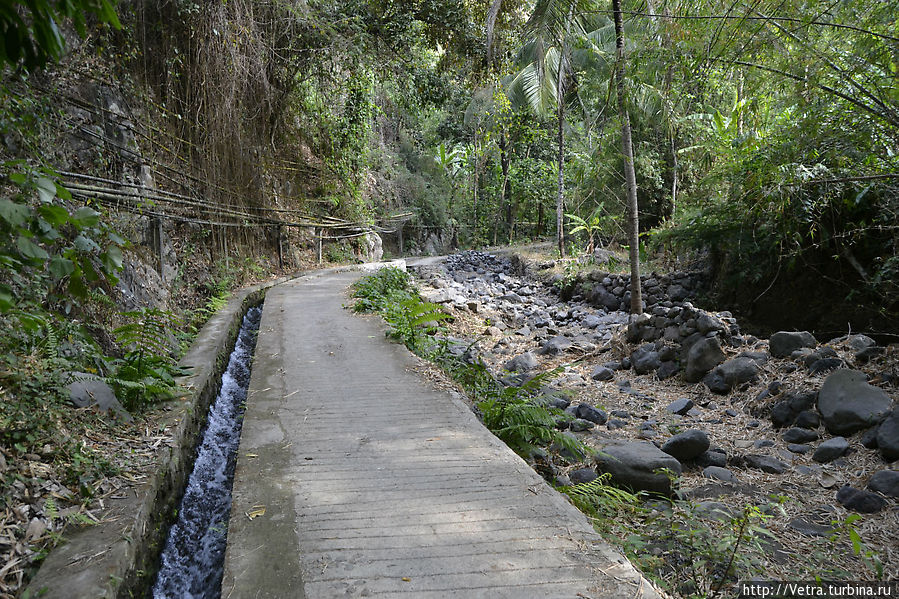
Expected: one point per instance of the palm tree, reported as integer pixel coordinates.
(547, 75)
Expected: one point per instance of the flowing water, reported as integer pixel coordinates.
(193, 559)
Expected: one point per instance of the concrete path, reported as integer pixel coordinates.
(357, 478)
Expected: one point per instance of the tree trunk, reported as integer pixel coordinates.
(627, 150)
(505, 193)
(560, 200)
(674, 169)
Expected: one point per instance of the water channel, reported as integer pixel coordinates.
(192, 561)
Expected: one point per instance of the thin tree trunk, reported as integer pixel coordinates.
(627, 150)
(560, 200)
(674, 169)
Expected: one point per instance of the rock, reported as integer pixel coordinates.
(784, 343)
(810, 529)
(616, 423)
(579, 425)
(886, 482)
(645, 359)
(799, 448)
(868, 353)
(680, 406)
(522, 363)
(860, 342)
(634, 465)
(582, 475)
(782, 414)
(888, 437)
(808, 419)
(869, 438)
(554, 346)
(799, 435)
(766, 463)
(36, 529)
(591, 321)
(719, 473)
(86, 390)
(830, 450)
(687, 445)
(707, 323)
(825, 365)
(712, 458)
(667, 370)
(861, 501)
(601, 373)
(588, 412)
(849, 404)
(704, 355)
(730, 374)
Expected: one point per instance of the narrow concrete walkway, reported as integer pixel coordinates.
(357, 478)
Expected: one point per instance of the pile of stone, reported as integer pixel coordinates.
(677, 338)
(611, 291)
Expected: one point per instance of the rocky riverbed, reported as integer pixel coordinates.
(804, 431)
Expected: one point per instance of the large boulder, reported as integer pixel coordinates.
(704, 355)
(555, 346)
(730, 374)
(635, 465)
(522, 363)
(87, 390)
(888, 437)
(687, 445)
(849, 404)
(886, 482)
(830, 450)
(859, 500)
(784, 343)
(645, 359)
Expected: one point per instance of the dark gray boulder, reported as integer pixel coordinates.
(766, 463)
(687, 445)
(680, 406)
(861, 501)
(667, 370)
(579, 425)
(594, 415)
(799, 435)
(810, 529)
(730, 374)
(635, 465)
(645, 359)
(522, 363)
(87, 389)
(888, 437)
(808, 419)
(582, 475)
(555, 346)
(783, 343)
(601, 373)
(849, 404)
(712, 458)
(830, 450)
(886, 482)
(719, 473)
(704, 355)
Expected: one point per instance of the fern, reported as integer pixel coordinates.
(598, 497)
(148, 370)
(511, 414)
